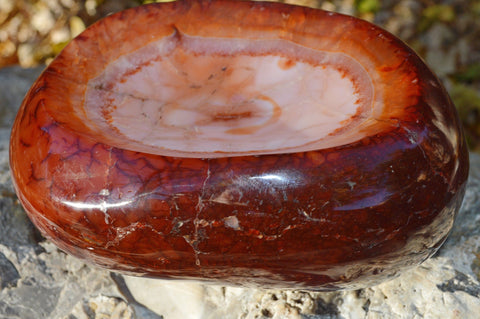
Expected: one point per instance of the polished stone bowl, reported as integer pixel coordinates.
(243, 143)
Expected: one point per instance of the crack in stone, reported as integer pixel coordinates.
(200, 205)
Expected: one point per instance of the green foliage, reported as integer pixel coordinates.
(436, 13)
(476, 8)
(367, 6)
(469, 74)
(465, 98)
(467, 101)
(58, 47)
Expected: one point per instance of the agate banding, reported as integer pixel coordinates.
(218, 97)
(243, 143)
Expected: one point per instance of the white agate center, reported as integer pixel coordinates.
(204, 97)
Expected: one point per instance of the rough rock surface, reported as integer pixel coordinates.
(39, 281)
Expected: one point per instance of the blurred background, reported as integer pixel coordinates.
(446, 33)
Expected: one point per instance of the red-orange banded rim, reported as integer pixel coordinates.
(230, 78)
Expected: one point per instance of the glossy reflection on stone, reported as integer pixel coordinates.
(242, 143)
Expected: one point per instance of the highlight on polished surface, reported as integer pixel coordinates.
(243, 143)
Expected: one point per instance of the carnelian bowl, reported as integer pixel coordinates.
(244, 143)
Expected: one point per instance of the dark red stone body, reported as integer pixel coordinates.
(342, 217)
